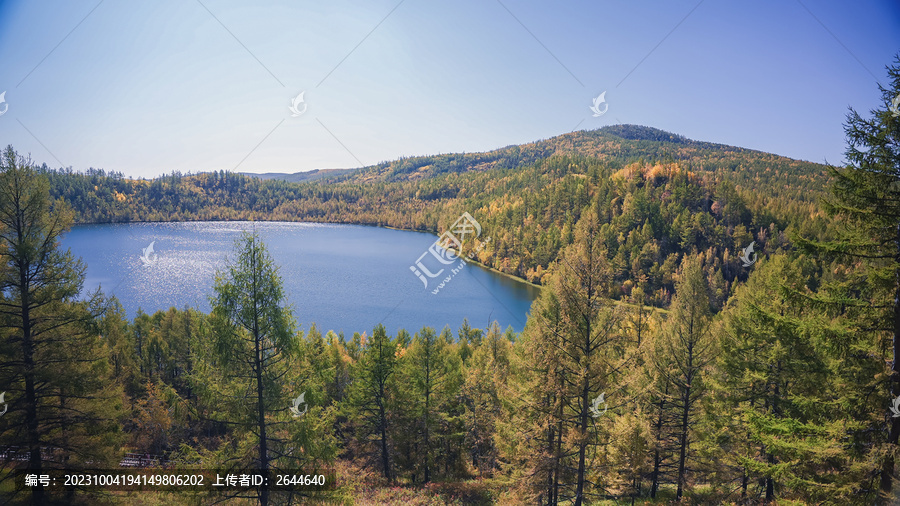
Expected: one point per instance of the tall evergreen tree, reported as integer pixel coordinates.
(682, 354)
(63, 400)
(372, 394)
(253, 342)
(432, 375)
(485, 383)
(864, 203)
(774, 409)
(575, 345)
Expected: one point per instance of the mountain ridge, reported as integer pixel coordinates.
(581, 142)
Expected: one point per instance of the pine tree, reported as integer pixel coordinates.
(372, 394)
(574, 345)
(681, 356)
(253, 342)
(864, 204)
(63, 401)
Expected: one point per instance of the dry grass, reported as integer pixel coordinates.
(363, 487)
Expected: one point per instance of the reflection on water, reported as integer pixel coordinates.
(342, 277)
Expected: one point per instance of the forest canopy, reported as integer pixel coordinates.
(659, 363)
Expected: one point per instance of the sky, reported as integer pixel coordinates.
(150, 87)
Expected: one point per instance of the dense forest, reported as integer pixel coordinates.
(655, 366)
(691, 196)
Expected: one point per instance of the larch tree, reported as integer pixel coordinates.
(771, 401)
(431, 373)
(574, 339)
(681, 355)
(252, 343)
(486, 375)
(864, 204)
(63, 400)
(372, 395)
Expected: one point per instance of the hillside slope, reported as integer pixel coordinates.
(660, 196)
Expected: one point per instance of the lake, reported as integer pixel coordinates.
(341, 277)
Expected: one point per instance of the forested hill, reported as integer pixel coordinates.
(660, 196)
(300, 177)
(616, 146)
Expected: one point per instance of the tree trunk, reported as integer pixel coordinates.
(683, 442)
(260, 405)
(385, 461)
(427, 408)
(551, 440)
(263, 439)
(770, 482)
(657, 455)
(585, 401)
(685, 419)
(887, 471)
(559, 433)
(582, 445)
(31, 420)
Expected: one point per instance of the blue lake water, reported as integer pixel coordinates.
(341, 277)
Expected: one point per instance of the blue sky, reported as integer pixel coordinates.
(148, 87)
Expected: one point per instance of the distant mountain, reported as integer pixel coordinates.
(299, 177)
(616, 146)
(660, 197)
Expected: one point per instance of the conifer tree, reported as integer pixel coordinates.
(485, 383)
(432, 375)
(252, 343)
(574, 341)
(681, 356)
(864, 204)
(63, 401)
(372, 394)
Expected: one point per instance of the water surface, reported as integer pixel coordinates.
(342, 277)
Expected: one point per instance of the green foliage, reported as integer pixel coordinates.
(372, 400)
(61, 405)
(681, 355)
(861, 288)
(723, 383)
(252, 361)
(573, 348)
(528, 198)
(431, 376)
(780, 411)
